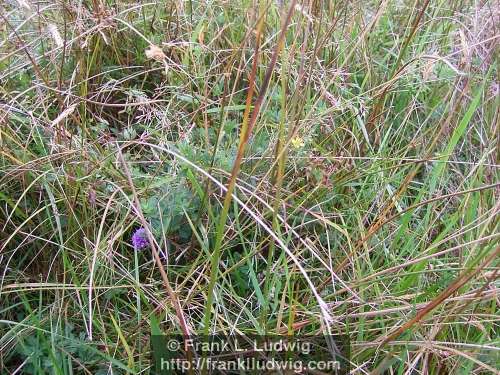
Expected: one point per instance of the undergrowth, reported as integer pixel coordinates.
(298, 167)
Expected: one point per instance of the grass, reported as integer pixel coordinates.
(299, 167)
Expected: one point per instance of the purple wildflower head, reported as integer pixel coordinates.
(140, 239)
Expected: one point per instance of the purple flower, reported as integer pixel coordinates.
(140, 239)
